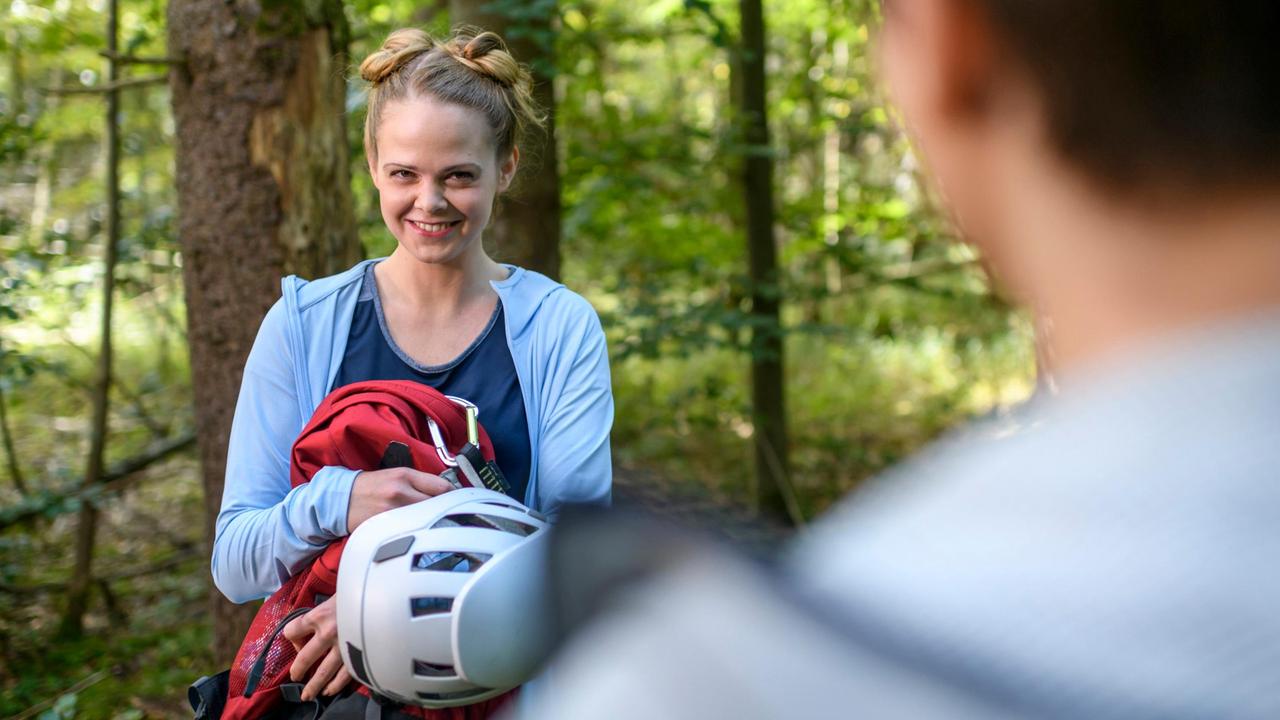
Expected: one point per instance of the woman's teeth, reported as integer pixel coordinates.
(432, 227)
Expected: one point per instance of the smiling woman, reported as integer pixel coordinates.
(442, 137)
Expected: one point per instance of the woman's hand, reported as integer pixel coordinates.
(315, 636)
(376, 491)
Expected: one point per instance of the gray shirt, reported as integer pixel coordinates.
(1110, 552)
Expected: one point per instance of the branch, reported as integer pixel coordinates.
(115, 479)
(188, 553)
(118, 385)
(115, 476)
(141, 60)
(84, 684)
(918, 269)
(110, 87)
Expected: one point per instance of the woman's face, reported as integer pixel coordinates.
(437, 174)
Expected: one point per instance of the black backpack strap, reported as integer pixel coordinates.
(260, 664)
(208, 695)
(373, 711)
(292, 694)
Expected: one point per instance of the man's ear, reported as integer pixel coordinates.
(968, 57)
(939, 56)
(507, 171)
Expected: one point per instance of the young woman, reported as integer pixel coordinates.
(442, 137)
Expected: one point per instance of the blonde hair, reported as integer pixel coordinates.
(471, 68)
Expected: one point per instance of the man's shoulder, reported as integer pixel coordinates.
(1105, 528)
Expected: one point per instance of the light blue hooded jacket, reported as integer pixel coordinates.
(266, 530)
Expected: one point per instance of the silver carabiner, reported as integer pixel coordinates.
(442, 452)
(463, 402)
(437, 439)
(473, 418)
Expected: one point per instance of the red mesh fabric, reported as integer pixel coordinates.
(351, 428)
(299, 591)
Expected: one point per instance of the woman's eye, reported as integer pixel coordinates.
(401, 174)
(465, 177)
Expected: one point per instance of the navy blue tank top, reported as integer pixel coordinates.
(484, 374)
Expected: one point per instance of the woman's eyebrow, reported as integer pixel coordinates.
(469, 166)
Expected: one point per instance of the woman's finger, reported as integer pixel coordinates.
(339, 681)
(307, 656)
(428, 484)
(328, 668)
(297, 631)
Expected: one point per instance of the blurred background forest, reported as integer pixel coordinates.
(891, 332)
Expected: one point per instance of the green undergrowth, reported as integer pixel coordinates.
(147, 636)
(856, 405)
(136, 671)
(144, 642)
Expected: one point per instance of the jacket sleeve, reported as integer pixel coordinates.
(574, 462)
(266, 530)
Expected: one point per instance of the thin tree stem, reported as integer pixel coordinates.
(11, 454)
(82, 575)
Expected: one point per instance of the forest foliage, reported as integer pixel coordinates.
(892, 331)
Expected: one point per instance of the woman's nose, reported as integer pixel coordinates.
(431, 199)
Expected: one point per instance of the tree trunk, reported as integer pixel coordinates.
(81, 582)
(526, 228)
(264, 190)
(767, 393)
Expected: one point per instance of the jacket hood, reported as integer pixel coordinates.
(522, 292)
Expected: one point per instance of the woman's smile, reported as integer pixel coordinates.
(434, 230)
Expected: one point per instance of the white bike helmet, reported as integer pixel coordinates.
(439, 602)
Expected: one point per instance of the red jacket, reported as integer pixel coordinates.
(353, 427)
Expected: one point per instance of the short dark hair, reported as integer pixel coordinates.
(1154, 93)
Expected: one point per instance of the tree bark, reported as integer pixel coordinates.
(263, 182)
(526, 229)
(81, 582)
(767, 391)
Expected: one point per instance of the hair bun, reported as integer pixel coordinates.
(486, 53)
(399, 48)
(482, 44)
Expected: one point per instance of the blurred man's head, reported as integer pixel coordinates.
(1065, 135)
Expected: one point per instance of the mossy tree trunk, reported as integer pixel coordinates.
(264, 190)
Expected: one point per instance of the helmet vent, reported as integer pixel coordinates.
(450, 561)
(488, 522)
(393, 549)
(421, 606)
(357, 663)
(422, 668)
